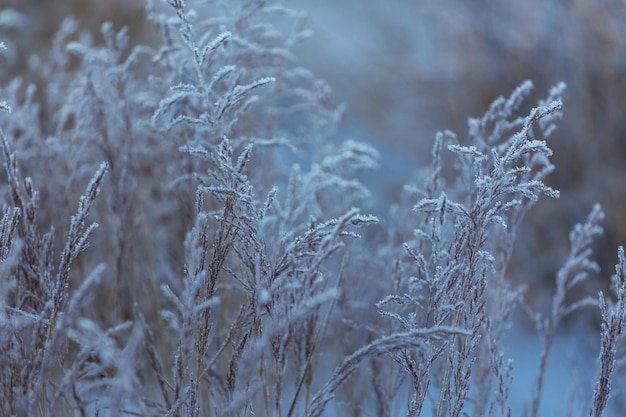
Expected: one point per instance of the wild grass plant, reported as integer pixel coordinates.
(209, 261)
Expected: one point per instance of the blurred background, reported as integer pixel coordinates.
(407, 69)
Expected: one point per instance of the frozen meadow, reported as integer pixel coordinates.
(210, 209)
